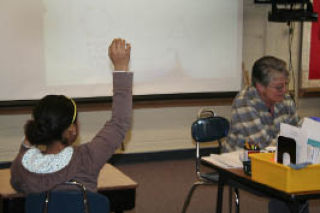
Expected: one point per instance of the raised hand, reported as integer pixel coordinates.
(119, 53)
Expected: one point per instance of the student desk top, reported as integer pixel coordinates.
(119, 188)
(236, 177)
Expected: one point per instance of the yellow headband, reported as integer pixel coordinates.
(74, 110)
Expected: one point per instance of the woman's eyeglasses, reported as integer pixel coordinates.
(280, 87)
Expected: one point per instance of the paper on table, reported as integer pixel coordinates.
(312, 131)
(289, 131)
(299, 136)
(312, 128)
(226, 160)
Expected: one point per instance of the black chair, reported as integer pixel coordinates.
(207, 128)
(67, 201)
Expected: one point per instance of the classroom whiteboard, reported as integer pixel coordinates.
(60, 47)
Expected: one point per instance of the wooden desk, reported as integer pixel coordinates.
(238, 179)
(119, 188)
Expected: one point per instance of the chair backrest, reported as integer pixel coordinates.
(209, 129)
(67, 201)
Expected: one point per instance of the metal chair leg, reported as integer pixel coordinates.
(188, 199)
(230, 199)
(237, 199)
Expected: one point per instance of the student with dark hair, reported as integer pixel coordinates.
(54, 125)
(52, 115)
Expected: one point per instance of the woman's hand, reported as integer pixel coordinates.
(119, 53)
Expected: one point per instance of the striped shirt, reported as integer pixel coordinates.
(252, 121)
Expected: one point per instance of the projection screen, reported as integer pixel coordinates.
(60, 47)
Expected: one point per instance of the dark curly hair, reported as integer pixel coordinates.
(52, 115)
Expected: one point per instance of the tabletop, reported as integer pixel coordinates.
(110, 178)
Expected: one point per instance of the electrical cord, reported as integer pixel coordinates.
(290, 41)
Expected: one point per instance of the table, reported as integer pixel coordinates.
(235, 177)
(119, 188)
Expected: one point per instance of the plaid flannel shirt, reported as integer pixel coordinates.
(252, 121)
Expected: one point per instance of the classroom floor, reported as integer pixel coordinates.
(163, 186)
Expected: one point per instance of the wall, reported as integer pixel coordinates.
(165, 126)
